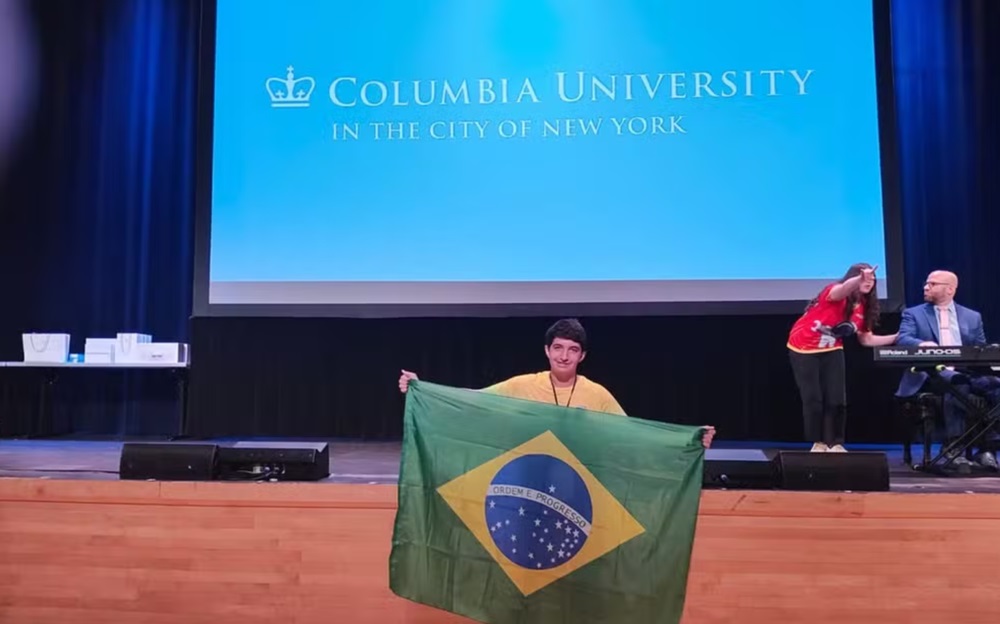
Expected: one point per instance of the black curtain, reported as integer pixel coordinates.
(336, 377)
(96, 206)
(947, 84)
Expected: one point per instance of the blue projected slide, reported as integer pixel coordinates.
(532, 151)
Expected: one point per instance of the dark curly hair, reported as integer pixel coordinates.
(869, 299)
(567, 329)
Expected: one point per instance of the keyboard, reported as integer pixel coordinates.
(988, 355)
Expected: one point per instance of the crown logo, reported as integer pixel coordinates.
(290, 92)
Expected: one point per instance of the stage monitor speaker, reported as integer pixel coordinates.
(742, 469)
(854, 471)
(167, 462)
(282, 461)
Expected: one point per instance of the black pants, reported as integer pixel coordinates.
(820, 377)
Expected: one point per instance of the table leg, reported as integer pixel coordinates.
(180, 379)
(44, 412)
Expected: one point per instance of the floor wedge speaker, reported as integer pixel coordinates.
(854, 471)
(739, 469)
(167, 462)
(280, 461)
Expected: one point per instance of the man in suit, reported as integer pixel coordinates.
(942, 322)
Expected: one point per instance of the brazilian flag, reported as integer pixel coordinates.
(520, 511)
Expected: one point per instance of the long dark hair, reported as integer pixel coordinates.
(869, 300)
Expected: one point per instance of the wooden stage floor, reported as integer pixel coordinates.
(78, 545)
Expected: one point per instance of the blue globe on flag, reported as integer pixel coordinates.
(539, 511)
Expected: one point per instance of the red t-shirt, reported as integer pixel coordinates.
(807, 335)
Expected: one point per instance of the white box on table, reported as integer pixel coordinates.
(50, 348)
(166, 352)
(99, 350)
(127, 348)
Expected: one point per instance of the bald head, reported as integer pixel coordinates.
(940, 287)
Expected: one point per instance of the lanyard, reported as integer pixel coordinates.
(555, 397)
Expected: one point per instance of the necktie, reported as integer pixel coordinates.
(944, 327)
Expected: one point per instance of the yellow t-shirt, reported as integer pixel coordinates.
(588, 395)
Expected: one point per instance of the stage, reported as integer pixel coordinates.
(377, 463)
(79, 545)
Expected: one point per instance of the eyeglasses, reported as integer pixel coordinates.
(933, 284)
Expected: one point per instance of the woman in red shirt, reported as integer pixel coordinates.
(816, 349)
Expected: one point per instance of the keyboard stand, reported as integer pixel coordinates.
(983, 420)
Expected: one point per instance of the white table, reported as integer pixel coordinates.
(52, 368)
(167, 365)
